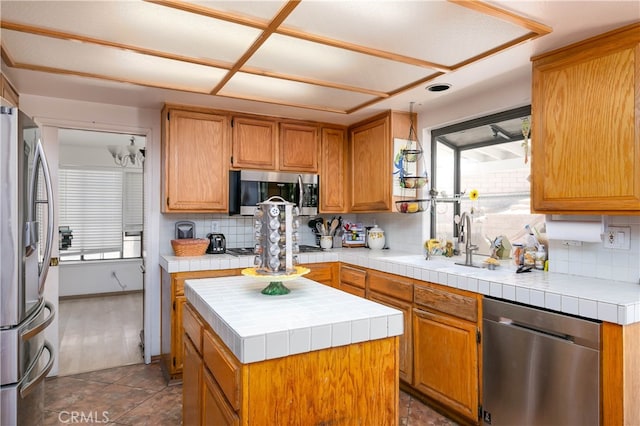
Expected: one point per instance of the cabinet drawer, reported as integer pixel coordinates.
(357, 291)
(224, 367)
(321, 272)
(448, 302)
(192, 327)
(352, 276)
(216, 410)
(391, 285)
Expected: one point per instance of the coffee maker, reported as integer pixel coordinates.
(217, 244)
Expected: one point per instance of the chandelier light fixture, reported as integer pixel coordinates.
(130, 155)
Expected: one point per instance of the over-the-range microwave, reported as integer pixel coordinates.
(247, 188)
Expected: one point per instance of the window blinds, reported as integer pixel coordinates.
(91, 205)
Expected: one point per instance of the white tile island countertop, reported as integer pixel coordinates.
(601, 299)
(257, 327)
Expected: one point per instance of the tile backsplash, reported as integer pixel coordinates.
(406, 232)
(594, 260)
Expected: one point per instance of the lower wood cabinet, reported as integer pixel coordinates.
(192, 375)
(324, 273)
(396, 292)
(447, 349)
(318, 387)
(353, 280)
(171, 306)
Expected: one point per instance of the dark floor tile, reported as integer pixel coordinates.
(67, 393)
(423, 415)
(146, 377)
(112, 375)
(164, 408)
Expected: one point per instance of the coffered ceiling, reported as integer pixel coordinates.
(337, 60)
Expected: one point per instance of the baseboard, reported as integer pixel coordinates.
(86, 296)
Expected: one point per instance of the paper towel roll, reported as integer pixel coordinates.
(588, 232)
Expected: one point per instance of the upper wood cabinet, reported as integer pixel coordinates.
(370, 157)
(586, 126)
(255, 143)
(195, 153)
(268, 144)
(333, 171)
(299, 147)
(371, 161)
(8, 92)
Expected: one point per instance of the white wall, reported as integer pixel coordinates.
(63, 113)
(82, 278)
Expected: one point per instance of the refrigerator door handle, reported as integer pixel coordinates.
(41, 158)
(28, 334)
(29, 386)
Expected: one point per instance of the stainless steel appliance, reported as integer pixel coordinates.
(539, 367)
(26, 236)
(217, 244)
(248, 188)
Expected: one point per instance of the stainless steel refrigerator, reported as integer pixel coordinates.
(26, 234)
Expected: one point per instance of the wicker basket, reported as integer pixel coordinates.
(190, 246)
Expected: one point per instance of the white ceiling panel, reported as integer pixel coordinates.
(317, 61)
(112, 63)
(140, 24)
(292, 93)
(262, 9)
(433, 30)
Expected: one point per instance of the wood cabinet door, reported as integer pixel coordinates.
(446, 361)
(586, 127)
(196, 165)
(254, 143)
(191, 385)
(299, 148)
(406, 341)
(324, 273)
(370, 156)
(215, 409)
(333, 172)
(177, 334)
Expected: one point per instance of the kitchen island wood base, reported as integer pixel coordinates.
(356, 384)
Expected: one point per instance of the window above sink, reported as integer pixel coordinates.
(491, 156)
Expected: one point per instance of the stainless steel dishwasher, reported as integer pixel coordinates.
(539, 367)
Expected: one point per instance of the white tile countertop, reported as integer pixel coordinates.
(600, 299)
(256, 327)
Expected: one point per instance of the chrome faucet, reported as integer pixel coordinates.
(464, 235)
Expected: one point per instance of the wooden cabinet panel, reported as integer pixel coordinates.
(8, 92)
(192, 327)
(395, 286)
(353, 276)
(448, 301)
(324, 273)
(299, 148)
(333, 172)
(446, 361)
(370, 161)
(405, 360)
(254, 143)
(586, 126)
(215, 409)
(195, 151)
(191, 385)
(224, 367)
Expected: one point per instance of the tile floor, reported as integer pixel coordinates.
(138, 395)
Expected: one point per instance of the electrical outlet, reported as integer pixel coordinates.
(215, 226)
(617, 237)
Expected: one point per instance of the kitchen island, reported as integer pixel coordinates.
(314, 356)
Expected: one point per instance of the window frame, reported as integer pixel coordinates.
(514, 113)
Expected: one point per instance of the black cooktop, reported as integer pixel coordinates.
(247, 251)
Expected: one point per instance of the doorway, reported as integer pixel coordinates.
(101, 270)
